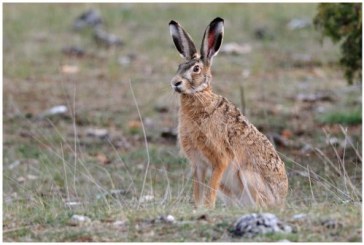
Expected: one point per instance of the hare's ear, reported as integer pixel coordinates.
(212, 39)
(182, 40)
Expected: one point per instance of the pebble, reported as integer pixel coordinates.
(97, 132)
(80, 219)
(299, 216)
(119, 223)
(169, 219)
(146, 198)
(56, 110)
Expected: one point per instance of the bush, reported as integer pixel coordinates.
(342, 22)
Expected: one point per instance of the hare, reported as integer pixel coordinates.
(216, 138)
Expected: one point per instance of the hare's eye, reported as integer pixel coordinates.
(196, 68)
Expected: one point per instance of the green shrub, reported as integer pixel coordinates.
(342, 22)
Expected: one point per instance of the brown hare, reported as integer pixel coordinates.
(217, 139)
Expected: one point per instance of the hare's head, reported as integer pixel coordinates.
(194, 75)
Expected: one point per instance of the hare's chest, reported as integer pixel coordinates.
(191, 137)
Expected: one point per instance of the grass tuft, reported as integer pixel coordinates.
(346, 117)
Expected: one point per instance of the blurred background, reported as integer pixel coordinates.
(89, 117)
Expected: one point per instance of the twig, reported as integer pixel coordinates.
(145, 142)
(309, 181)
(242, 99)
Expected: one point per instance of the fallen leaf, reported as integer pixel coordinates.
(102, 158)
(134, 124)
(287, 134)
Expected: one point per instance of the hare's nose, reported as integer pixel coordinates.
(176, 84)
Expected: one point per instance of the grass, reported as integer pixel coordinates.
(345, 117)
(51, 168)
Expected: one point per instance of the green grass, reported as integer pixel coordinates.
(352, 116)
(49, 163)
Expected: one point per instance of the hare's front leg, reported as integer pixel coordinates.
(199, 175)
(217, 173)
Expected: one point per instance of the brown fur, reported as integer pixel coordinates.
(215, 136)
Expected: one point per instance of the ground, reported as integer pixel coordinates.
(100, 161)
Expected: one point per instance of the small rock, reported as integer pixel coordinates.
(297, 23)
(235, 49)
(163, 219)
(251, 225)
(301, 58)
(14, 164)
(107, 39)
(320, 109)
(245, 73)
(121, 142)
(76, 219)
(32, 177)
(346, 142)
(73, 51)
(306, 149)
(331, 224)
(299, 216)
(148, 122)
(71, 204)
(101, 133)
(203, 217)
(278, 140)
(126, 59)
(56, 110)
(312, 97)
(119, 223)
(169, 134)
(161, 108)
(90, 18)
(112, 193)
(146, 198)
(167, 219)
(10, 198)
(301, 173)
(21, 179)
(333, 141)
(262, 33)
(118, 192)
(170, 218)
